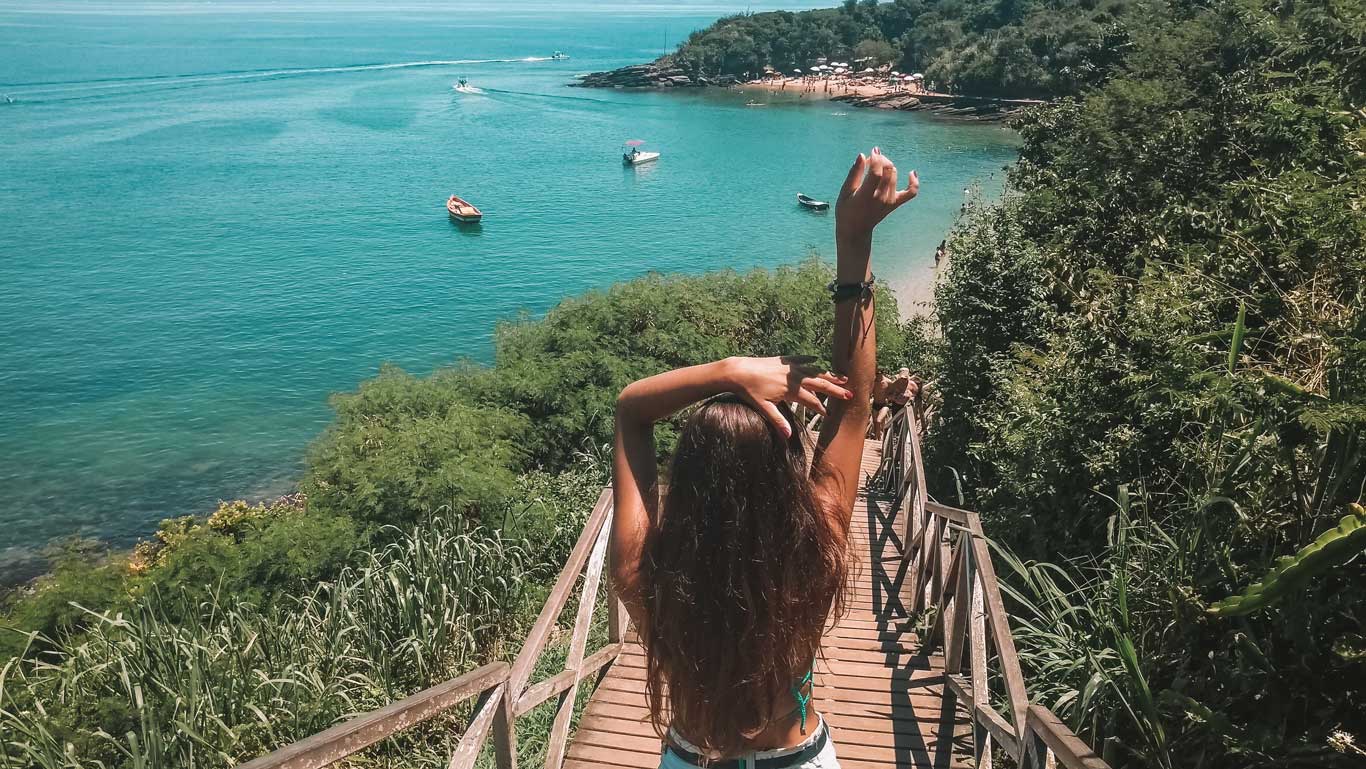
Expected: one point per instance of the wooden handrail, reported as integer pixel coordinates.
(361, 732)
(949, 568)
(503, 689)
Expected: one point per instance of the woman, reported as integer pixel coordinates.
(731, 574)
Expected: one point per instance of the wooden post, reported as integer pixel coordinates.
(559, 731)
(618, 620)
(956, 626)
(505, 732)
(467, 750)
(981, 695)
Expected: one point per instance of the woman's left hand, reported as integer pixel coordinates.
(765, 382)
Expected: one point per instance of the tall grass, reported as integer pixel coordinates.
(235, 681)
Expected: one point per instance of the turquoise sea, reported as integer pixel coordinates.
(215, 214)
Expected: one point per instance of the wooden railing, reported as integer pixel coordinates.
(505, 692)
(949, 575)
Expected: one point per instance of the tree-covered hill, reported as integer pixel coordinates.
(1154, 377)
(1016, 48)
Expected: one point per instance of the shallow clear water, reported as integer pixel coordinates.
(215, 215)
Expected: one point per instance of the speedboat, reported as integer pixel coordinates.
(632, 155)
(811, 203)
(462, 210)
(755, 104)
(463, 86)
(557, 56)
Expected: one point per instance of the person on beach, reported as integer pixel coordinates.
(731, 574)
(939, 252)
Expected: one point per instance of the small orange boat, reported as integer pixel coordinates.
(462, 210)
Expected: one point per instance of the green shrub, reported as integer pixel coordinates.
(82, 573)
(564, 371)
(1168, 300)
(402, 448)
(251, 553)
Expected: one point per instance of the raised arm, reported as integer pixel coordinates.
(869, 194)
(763, 382)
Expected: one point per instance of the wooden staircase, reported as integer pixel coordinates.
(892, 698)
(883, 699)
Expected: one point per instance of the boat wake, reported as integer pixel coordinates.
(467, 89)
(71, 90)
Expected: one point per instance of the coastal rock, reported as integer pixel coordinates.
(653, 75)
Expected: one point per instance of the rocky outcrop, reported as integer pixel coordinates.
(656, 74)
(965, 107)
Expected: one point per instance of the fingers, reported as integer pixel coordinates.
(877, 169)
(887, 184)
(912, 188)
(827, 387)
(808, 399)
(775, 415)
(851, 182)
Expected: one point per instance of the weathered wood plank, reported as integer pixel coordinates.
(588, 599)
(1068, 747)
(559, 594)
(346, 738)
(539, 693)
(467, 751)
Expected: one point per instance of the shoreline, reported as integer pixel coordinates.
(855, 91)
(881, 96)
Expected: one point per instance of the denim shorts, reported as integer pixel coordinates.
(825, 759)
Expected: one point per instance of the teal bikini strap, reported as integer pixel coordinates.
(804, 699)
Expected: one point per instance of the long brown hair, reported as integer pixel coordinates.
(740, 576)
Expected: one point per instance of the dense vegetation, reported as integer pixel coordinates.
(1153, 367)
(435, 513)
(1016, 48)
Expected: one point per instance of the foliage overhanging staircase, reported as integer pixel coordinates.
(891, 699)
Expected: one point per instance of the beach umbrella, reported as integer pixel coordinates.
(917, 76)
(870, 69)
(796, 72)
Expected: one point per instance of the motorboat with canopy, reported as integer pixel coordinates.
(633, 155)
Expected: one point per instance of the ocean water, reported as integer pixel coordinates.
(216, 214)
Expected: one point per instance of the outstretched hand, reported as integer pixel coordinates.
(766, 382)
(869, 194)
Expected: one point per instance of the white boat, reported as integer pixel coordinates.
(463, 86)
(632, 155)
(636, 157)
(558, 56)
(807, 201)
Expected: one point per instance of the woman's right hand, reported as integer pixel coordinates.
(869, 194)
(765, 382)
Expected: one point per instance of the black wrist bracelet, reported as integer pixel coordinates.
(840, 292)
